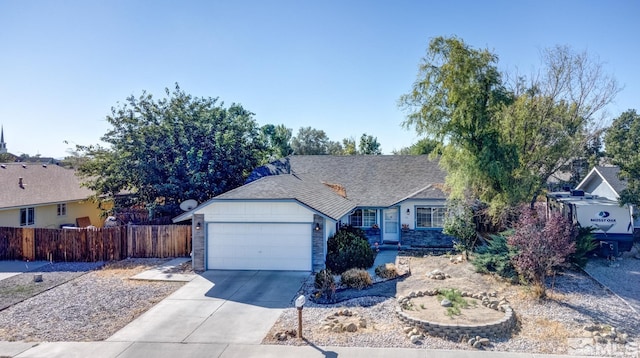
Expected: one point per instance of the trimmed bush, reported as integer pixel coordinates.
(496, 258)
(325, 283)
(387, 271)
(347, 249)
(356, 278)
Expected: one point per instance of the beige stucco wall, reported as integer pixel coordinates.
(46, 216)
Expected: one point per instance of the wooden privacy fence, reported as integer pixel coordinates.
(96, 244)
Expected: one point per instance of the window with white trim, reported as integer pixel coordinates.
(62, 209)
(363, 217)
(429, 217)
(27, 216)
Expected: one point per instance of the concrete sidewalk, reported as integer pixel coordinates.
(222, 350)
(166, 272)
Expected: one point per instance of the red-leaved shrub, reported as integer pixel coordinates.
(543, 244)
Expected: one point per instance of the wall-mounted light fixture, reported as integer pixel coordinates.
(408, 211)
(317, 228)
(198, 225)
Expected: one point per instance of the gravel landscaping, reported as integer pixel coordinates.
(21, 287)
(578, 308)
(91, 301)
(611, 274)
(78, 301)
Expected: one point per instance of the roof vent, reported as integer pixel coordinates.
(3, 166)
(20, 183)
(44, 165)
(24, 166)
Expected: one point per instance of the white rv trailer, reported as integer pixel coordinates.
(613, 223)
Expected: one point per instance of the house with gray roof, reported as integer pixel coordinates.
(44, 196)
(605, 182)
(283, 216)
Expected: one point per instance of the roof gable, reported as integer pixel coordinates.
(41, 184)
(609, 176)
(313, 194)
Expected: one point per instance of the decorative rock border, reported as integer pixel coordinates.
(502, 327)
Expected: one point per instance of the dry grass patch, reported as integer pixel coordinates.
(554, 333)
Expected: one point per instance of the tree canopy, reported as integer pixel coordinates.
(622, 145)
(501, 143)
(172, 149)
(423, 146)
(311, 141)
(278, 140)
(369, 145)
(455, 100)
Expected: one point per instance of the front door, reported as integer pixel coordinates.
(391, 230)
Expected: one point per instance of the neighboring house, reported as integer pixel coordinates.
(604, 181)
(282, 217)
(44, 196)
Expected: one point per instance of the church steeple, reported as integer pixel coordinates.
(3, 145)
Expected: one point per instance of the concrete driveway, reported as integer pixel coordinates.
(217, 307)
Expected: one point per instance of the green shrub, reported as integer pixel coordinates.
(457, 301)
(495, 257)
(585, 244)
(387, 271)
(348, 248)
(356, 278)
(325, 283)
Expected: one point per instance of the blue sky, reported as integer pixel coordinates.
(339, 66)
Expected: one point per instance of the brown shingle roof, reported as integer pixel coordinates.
(374, 181)
(368, 180)
(40, 185)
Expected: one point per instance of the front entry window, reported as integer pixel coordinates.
(363, 218)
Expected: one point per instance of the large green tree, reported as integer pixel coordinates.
(172, 149)
(501, 145)
(455, 100)
(310, 141)
(622, 144)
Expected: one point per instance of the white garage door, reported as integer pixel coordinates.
(234, 246)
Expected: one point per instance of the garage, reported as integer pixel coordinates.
(259, 246)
